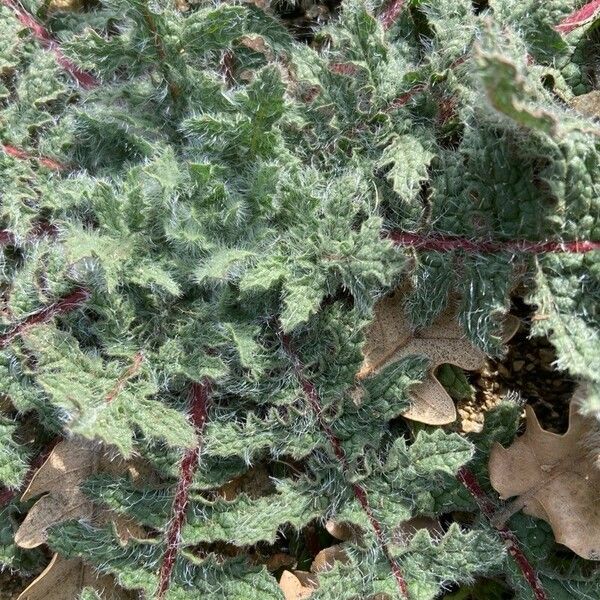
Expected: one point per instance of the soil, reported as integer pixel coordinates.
(11, 585)
(528, 369)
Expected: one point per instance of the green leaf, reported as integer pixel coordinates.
(13, 460)
(101, 399)
(455, 382)
(409, 160)
(262, 517)
(507, 93)
(222, 265)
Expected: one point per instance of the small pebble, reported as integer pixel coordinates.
(518, 365)
(503, 371)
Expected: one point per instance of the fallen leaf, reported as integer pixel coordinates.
(344, 531)
(279, 560)
(555, 478)
(64, 579)
(325, 560)
(70, 463)
(391, 337)
(255, 482)
(297, 585)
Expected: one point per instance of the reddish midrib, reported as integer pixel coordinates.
(76, 298)
(447, 243)
(86, 80)
(62, 306)
(390, 13)
(128, 374)
(310, 391)
(468, 479)
(21, 154)
(200, 393)
(579, 17)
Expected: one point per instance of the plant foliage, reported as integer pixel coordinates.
(195, 198)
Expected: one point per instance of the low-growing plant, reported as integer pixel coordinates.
(233, 260)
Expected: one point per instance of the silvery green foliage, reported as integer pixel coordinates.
(225, 185)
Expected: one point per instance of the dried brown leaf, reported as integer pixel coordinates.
(555, 478)
(278, 560)
(325, 560)
(297, 585)
(344, 531)
(59, 478)
(64, 579)
(255, 482)
(391, 338)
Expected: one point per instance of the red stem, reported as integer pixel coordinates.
(20, 154)
(447, 243)
(159, 47)
(579, 17)
(200, 393)
(390, 13)
(6, 237)
(39, 32)
(311, 393)
(38, 230)
(62, 306)
(468, 479)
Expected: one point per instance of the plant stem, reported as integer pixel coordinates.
(447, 243)
(468, 479)
(84, 79)
(311, 393)
(62, 306)
(200, 393)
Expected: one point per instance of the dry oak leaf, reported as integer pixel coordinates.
(342, 530)
(555, 478)
(70, 463)
(64, 579)
(297, 585)
(326, 558)
(390, 337)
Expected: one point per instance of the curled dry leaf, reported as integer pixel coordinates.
(59, 478)
(279, 560)
(325, 560)
(297, 584)
(555, 478)
(344, 531)
(64, 579)
(391, 337)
